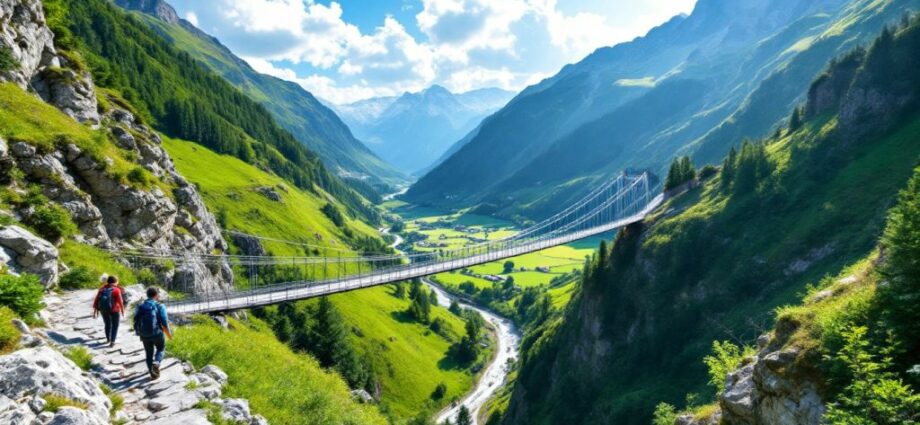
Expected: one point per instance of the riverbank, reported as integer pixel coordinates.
(507, 343)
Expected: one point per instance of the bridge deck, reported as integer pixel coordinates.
(298, 290)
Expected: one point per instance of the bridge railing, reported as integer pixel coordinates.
(619, 200)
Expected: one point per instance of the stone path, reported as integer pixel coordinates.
(167, 400)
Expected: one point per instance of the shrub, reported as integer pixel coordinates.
(22, 294)
(334, 214)
(665, 414)
(439, 392)
(9, 335)
(708, 171)
(137, 175)
(7, 61)
(80, 356)
(725, 358)
(77, 278)
(55, 402)
(146, 277)
(875, 395)
(51, 221)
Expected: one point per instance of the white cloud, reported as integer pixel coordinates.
(192, 17)
(464, 44)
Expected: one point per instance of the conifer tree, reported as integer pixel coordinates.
(464, 417)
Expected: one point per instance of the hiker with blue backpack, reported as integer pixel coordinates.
(151, 324)
(110, 303)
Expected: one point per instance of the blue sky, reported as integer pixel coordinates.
(347, 50)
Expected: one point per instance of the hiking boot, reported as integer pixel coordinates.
(111, 344)
(155, 370)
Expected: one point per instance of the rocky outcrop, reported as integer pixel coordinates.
(111, 209)
(114, 213)
(269, 193)
(23, 252)
(249, 245)
(70, 91)
(30, 43)
(158, 8)
(28, 376)
(768, 390)
(829, 89)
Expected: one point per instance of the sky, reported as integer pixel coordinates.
(348, 50)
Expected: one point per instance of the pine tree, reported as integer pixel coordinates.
(433, 298)
(795, 121)
(399, 290)
(464, 417)
(673, 179)
(420, 308)
(330, 333)
(901, 240)
(687, 170)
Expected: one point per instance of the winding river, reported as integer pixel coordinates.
(508, 341)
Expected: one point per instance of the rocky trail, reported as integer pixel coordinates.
(172, 399)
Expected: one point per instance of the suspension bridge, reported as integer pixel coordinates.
(266, 280)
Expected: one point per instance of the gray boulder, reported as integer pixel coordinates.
(74, 416)
(41, 371)
(216, 373)
(27, 253)
(236, 410)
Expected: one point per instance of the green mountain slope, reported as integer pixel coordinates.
(749, 62)
(295, 109)
(712, 264)
(179, 97)
(408, 358)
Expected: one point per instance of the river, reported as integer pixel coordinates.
(508, 340)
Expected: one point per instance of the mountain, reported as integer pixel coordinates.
(779, 219)
(413, 130)
(295, 109)
(182, 99)
(693, 85)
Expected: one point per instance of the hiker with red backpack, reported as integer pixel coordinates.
(110, 303)
(151, 324)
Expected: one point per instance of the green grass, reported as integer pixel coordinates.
(26, 118)
(410, 359)
(117, 400)
(407, 357)
(228, 187)
(80, 356)
(284, 387)
(97, 261)
(55, 402)
(9, 335)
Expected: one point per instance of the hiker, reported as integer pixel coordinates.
(152, 325)
(110, 303)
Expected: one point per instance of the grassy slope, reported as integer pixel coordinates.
(285, 387)
(407, 357)
(735, 275)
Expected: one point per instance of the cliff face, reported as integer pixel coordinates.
(110, 210)
(30, 43)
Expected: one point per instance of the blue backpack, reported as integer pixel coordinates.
(147, 319)
(107, 300)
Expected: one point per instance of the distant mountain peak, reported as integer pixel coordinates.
(437, 89)
(158, 8)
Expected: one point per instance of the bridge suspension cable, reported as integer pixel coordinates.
(262, 280)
